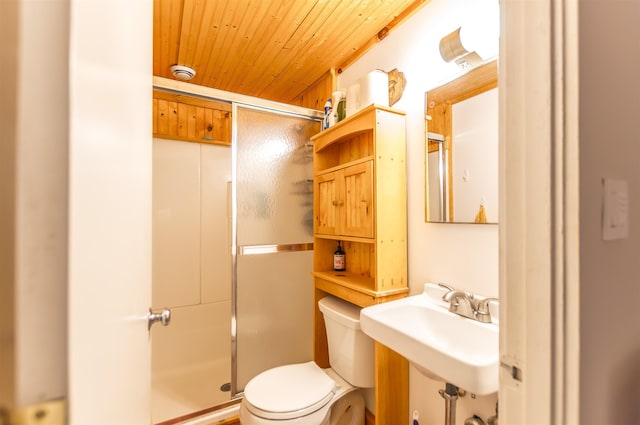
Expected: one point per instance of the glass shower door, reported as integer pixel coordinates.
(273, 230)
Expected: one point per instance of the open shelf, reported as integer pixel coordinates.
(345, 238)
(355, 124)
(349, 280)
(354, 288)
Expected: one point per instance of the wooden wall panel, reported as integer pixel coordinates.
(315, 96)
(392, 373)
(191, 119)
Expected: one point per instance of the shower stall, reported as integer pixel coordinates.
(232, 256)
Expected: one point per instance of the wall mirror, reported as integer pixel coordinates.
(462, 148)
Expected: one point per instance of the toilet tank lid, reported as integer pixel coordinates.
(341, 311)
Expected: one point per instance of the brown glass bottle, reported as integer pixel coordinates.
(339, 263)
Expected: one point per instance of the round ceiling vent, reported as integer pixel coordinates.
(183, 73)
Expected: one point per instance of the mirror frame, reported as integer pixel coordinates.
(438, 119)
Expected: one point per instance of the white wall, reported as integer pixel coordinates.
(609, 148)
(462, 255)
(475, 158)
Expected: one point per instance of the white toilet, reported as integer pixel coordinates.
(304, 393)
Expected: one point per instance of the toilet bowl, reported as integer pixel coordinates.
(301, 394)
(304, 393)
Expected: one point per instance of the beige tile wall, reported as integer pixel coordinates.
(191, 358)
(176, 223)
(215, 223)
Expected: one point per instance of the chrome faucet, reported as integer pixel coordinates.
(465, 304)
(461, 303)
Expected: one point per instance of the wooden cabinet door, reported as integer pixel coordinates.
(356, 216)
(327, 200)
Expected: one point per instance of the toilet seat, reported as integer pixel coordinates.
(289, 391)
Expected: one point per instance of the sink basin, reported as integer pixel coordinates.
(439, 343)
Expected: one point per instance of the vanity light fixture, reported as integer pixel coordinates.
(476, 39)
(452, 49)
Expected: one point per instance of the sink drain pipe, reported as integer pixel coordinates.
(450, 395)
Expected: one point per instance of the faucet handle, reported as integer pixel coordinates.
(482, 311)
(483, 305)
(445, 286)
(450, 290)
(447, 297)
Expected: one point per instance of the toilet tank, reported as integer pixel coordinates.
(351, 352)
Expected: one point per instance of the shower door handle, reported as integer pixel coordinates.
(163, 317)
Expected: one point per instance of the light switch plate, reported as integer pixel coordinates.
(615, 218)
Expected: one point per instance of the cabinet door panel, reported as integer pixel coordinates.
(326, 194)
(357, 212)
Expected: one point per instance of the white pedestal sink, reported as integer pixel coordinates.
(439, 343)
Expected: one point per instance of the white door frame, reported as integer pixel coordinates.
(539, 212)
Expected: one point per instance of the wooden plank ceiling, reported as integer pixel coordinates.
(273, 49)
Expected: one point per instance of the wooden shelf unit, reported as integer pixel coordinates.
(360, 200)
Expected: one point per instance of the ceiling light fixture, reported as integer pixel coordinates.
(182, 72)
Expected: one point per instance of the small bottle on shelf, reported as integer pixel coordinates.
(328, 111)
(339, 263)
(339, 106)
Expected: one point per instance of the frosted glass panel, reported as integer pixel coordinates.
(275, 312)
(274, 178)
(274, 204)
